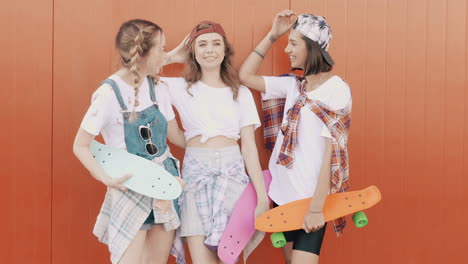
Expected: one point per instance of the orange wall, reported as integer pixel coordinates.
(26, 131)
(406, 63)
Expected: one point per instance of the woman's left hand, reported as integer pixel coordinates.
(261, 208)
(313, 221)
(178, 54)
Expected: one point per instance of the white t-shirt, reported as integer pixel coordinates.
(104, 114)
(301, 180)
(210, 111)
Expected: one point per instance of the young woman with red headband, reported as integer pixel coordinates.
(216, 111)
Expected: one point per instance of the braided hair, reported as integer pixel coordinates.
(134, 41)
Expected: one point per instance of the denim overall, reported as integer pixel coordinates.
(152, 118)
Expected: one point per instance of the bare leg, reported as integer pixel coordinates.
(158, 245)
(302, 257)
(287, 252)
(199, 252)
(134, 252)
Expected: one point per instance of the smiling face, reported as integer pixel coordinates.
(209, 50)
(296, 49)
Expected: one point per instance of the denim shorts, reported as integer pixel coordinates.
(149, 222)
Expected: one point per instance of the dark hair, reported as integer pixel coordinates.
(229, 75)
(315, 63)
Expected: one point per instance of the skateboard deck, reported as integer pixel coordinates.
(148, 178)
(240, 227)
(290, 216)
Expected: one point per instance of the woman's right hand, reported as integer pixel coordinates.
(282, 23)
(117, 183)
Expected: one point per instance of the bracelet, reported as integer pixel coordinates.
(272, 38)
(259, 53)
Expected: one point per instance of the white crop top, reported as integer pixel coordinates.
(210, 111)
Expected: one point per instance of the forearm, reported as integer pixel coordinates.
(254, 170)
(252, 164)
(323, 186)
(178, 54)
(170, 59)
(254, 60)
(248, 71)
(264, 46)
(85, 156)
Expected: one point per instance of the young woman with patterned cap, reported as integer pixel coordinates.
(309, 155)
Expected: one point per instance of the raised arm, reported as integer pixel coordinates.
(178, 54)
(248, 71)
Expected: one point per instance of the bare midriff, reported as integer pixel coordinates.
(214, 142)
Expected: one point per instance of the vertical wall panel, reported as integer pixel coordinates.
(435, 91)
(81, 61)
(414, 124)
(375, 121)
(394, 130)
(453, 178)
(26, 131)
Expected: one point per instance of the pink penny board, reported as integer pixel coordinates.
(241, 225)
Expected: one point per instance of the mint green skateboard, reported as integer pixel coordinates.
(148, 178)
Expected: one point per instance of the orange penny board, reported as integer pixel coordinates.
(290, 216)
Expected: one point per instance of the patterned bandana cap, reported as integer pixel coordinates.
(316, 29)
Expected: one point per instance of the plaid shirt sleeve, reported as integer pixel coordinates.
(338, 122)
(273, 111)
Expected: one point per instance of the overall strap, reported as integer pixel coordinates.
(151, 88)
(114, 86)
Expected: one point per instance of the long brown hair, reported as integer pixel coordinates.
(134, 41)
(229, 75)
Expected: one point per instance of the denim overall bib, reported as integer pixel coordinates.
(137, 139)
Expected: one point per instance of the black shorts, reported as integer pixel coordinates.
(308, 242)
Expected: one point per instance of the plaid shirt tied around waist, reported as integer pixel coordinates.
(338, 123)
(210, 185)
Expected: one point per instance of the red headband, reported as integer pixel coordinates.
(214, 28)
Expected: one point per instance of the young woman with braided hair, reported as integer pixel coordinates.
(132, 111)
